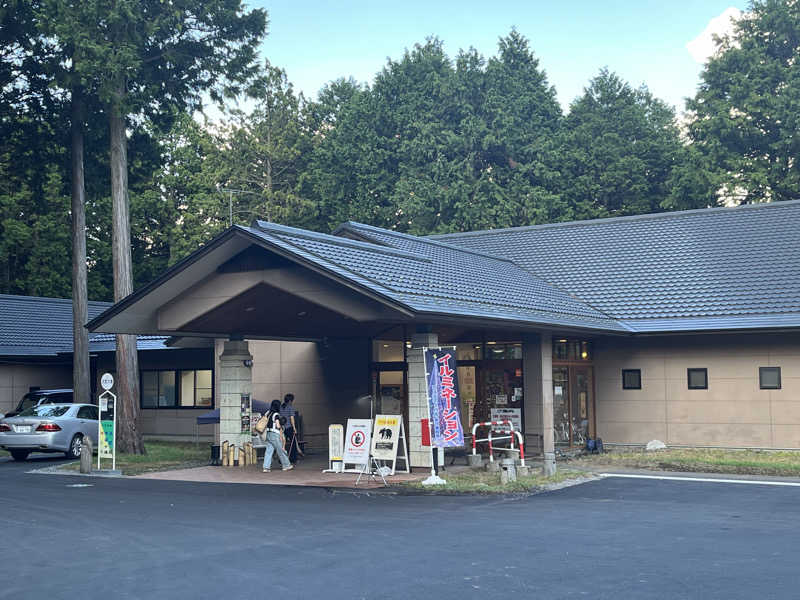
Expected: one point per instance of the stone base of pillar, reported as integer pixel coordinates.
(549, 467)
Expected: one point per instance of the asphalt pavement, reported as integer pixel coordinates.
(611, 538)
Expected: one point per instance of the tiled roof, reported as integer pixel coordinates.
(34, 326)
(429, 277)
(693, 270)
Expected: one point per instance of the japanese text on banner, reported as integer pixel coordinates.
(443, 399)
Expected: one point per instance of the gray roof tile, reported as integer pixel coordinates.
(35, 326)
(714, 268)
(431, 277)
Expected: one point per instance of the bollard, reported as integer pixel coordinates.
(86, 455)
(475, 460)
(508, 471)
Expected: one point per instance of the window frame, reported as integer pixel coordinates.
(704, 370)
(761, 385)
(177, 372)
(627, 387)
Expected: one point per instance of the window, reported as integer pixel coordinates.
(769, 378)
(631, 379)
(87, 412)
(196, 388)
(503, 351)
(177, 389)
(698, 379)
(578, 350)
(387, 351)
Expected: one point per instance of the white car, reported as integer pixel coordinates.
(49, 428)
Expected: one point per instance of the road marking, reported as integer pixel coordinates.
(80, 485)
(703, 479)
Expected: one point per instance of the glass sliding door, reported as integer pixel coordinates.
(561, 417)
(573, 405)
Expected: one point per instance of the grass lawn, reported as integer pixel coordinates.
(484, 482)
(161, 456)
(744, 462)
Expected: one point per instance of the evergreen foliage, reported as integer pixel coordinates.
(746, 115)
(434, 144)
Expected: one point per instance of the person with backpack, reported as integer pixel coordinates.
(273, 436)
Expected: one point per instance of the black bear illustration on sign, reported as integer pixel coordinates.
(385, 433)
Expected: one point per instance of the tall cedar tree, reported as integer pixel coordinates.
(747, 109)
(618, 148)
(148, 59)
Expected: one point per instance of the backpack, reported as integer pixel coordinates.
(261, 424)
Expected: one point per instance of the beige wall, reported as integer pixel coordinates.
(733, 411)
(325, 380)
(16, 381)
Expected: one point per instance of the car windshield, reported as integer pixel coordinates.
(29, 400)
(45, 410)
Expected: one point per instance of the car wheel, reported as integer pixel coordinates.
(75, 446)
(19, 454)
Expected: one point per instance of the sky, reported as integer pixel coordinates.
(661, 44)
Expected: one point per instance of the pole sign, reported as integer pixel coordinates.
(107, 425)
(444, 403)
(357, 441)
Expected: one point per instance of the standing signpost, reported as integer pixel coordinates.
(335, 449)
(107, 425)
(444, 404)
(357, 443)
(388, 438)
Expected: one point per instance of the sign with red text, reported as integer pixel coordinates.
(444, 403)
(357, 441)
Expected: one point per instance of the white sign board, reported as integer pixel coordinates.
(335, 434)
(507, 414)
(385, 437)
(357, 441)
(107, 381)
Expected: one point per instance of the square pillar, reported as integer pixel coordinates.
(420, 456)
(538, 392)
(235, 379)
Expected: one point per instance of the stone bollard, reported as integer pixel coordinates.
(492, 466)
(475, 460)
(508, 471)
(86, 455)
(523, 471)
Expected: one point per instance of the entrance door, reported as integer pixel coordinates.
(573, 405)
(390, 396)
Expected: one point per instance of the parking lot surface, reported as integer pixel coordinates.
(611, 538)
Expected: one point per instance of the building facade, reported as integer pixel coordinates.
(677, 326)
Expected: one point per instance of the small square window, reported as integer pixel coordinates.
(698, 379)
(631, 379)
(769, 378)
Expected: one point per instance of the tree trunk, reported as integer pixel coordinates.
(128, 434)
(80, 313)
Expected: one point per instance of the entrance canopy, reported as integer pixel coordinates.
(273, 282)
